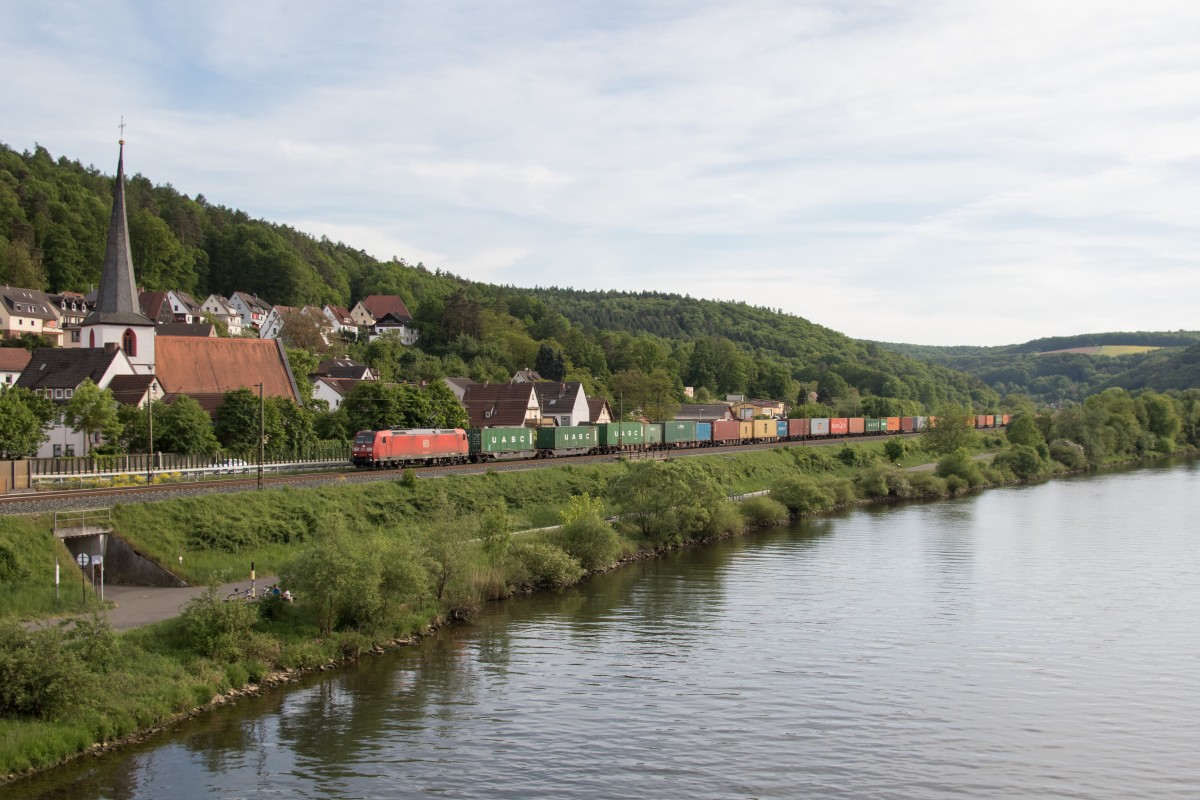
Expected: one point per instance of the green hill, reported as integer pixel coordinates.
(53, 224)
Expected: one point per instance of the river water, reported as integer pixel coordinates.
(1033, 642)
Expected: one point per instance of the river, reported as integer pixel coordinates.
(1036, 642)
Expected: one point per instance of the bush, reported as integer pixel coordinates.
(895, 449)
(39, 676)
(217, 628)
(802, 496)
(1022, 460)
(926, 484)
(1070, 454)
(547, 565)
(725, 520)
(959, 464)
(592, 541)
(764, 512)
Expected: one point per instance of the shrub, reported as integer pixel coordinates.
(764, 512)
(1070, 454)
(895, 449)
(802, 496)
(216, 627)
(926, 484)
(39, 676)
(960, 465)
(586, 535)
(725, 520)
(1022, 460)
(547, 565)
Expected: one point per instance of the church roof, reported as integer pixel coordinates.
(117, 298)
(198, 365)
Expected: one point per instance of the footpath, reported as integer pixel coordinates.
(135, 606)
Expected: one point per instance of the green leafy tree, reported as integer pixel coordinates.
(184, 427)
(654, 393)
(1023, 430)
(953, 429)
(24, 417)
(586, 535)
(92, 410)
(239, 420)
(668, 501)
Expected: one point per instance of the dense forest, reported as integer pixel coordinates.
(53, 222)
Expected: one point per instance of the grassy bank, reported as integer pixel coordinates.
(375, 564)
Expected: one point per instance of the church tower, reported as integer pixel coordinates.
(118, 318)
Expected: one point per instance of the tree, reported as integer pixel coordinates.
(669, 501)
(303, 332)
(653, 393)
(550, 363)
(184, 427)
(24, 417)
(586, 535)
(239, 419)
(92, 410)
(1023, 430)
(954, 428)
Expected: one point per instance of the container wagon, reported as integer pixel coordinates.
(839, 426)
(553, 440)
(615, 437)
(726, 431)
(487, 444)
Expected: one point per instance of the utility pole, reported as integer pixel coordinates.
(150, 437)
(262, 433)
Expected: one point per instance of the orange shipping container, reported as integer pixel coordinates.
(893, 424)
(857, 425)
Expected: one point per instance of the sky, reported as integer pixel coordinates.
(957, 172)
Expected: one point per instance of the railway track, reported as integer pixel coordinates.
(36, 502)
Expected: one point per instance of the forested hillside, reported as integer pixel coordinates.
(53, 223)
(1037, 369)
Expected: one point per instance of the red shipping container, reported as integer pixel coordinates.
(980, 421)
(839, 426)
(893, 424)
(857, 425)
(908, 424)
(797, 427)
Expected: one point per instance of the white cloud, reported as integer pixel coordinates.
(935, 148)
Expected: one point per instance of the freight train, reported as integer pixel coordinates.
(383, 449)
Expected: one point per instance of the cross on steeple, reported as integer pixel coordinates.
(122, 127)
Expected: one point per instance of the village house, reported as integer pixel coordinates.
(561, 403)
(28, 311)
(221, 310)
(385, 315)
(252, 310)
(12, 364)
(493, 405)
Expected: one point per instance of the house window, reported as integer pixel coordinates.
(75, 336)
(67, 393)
(129, 343)
(58, 451)
(58, 394)
(70, 450)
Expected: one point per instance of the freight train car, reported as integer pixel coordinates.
(409, 447)
(487, 444)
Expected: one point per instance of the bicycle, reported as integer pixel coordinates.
(241, 594)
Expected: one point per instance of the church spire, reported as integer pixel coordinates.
(117, 297)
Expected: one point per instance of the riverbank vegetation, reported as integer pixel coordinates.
(373, 564)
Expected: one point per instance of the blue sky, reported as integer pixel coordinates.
(961, 172)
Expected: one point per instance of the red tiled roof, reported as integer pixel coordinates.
(130, 389)
(380, 306)
(14, 359)
(197, 366)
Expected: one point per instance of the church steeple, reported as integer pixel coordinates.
(118, 319)
(118, 289)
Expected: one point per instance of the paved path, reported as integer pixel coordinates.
(143, 605)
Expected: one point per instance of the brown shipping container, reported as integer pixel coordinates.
(858, 425)
(797, 427)
(726, 430)
(908, 424)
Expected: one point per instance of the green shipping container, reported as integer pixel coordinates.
(499, 440)
(654, 433)
(679, 430)
(566, 437)
(875, 425)
(620, 434)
